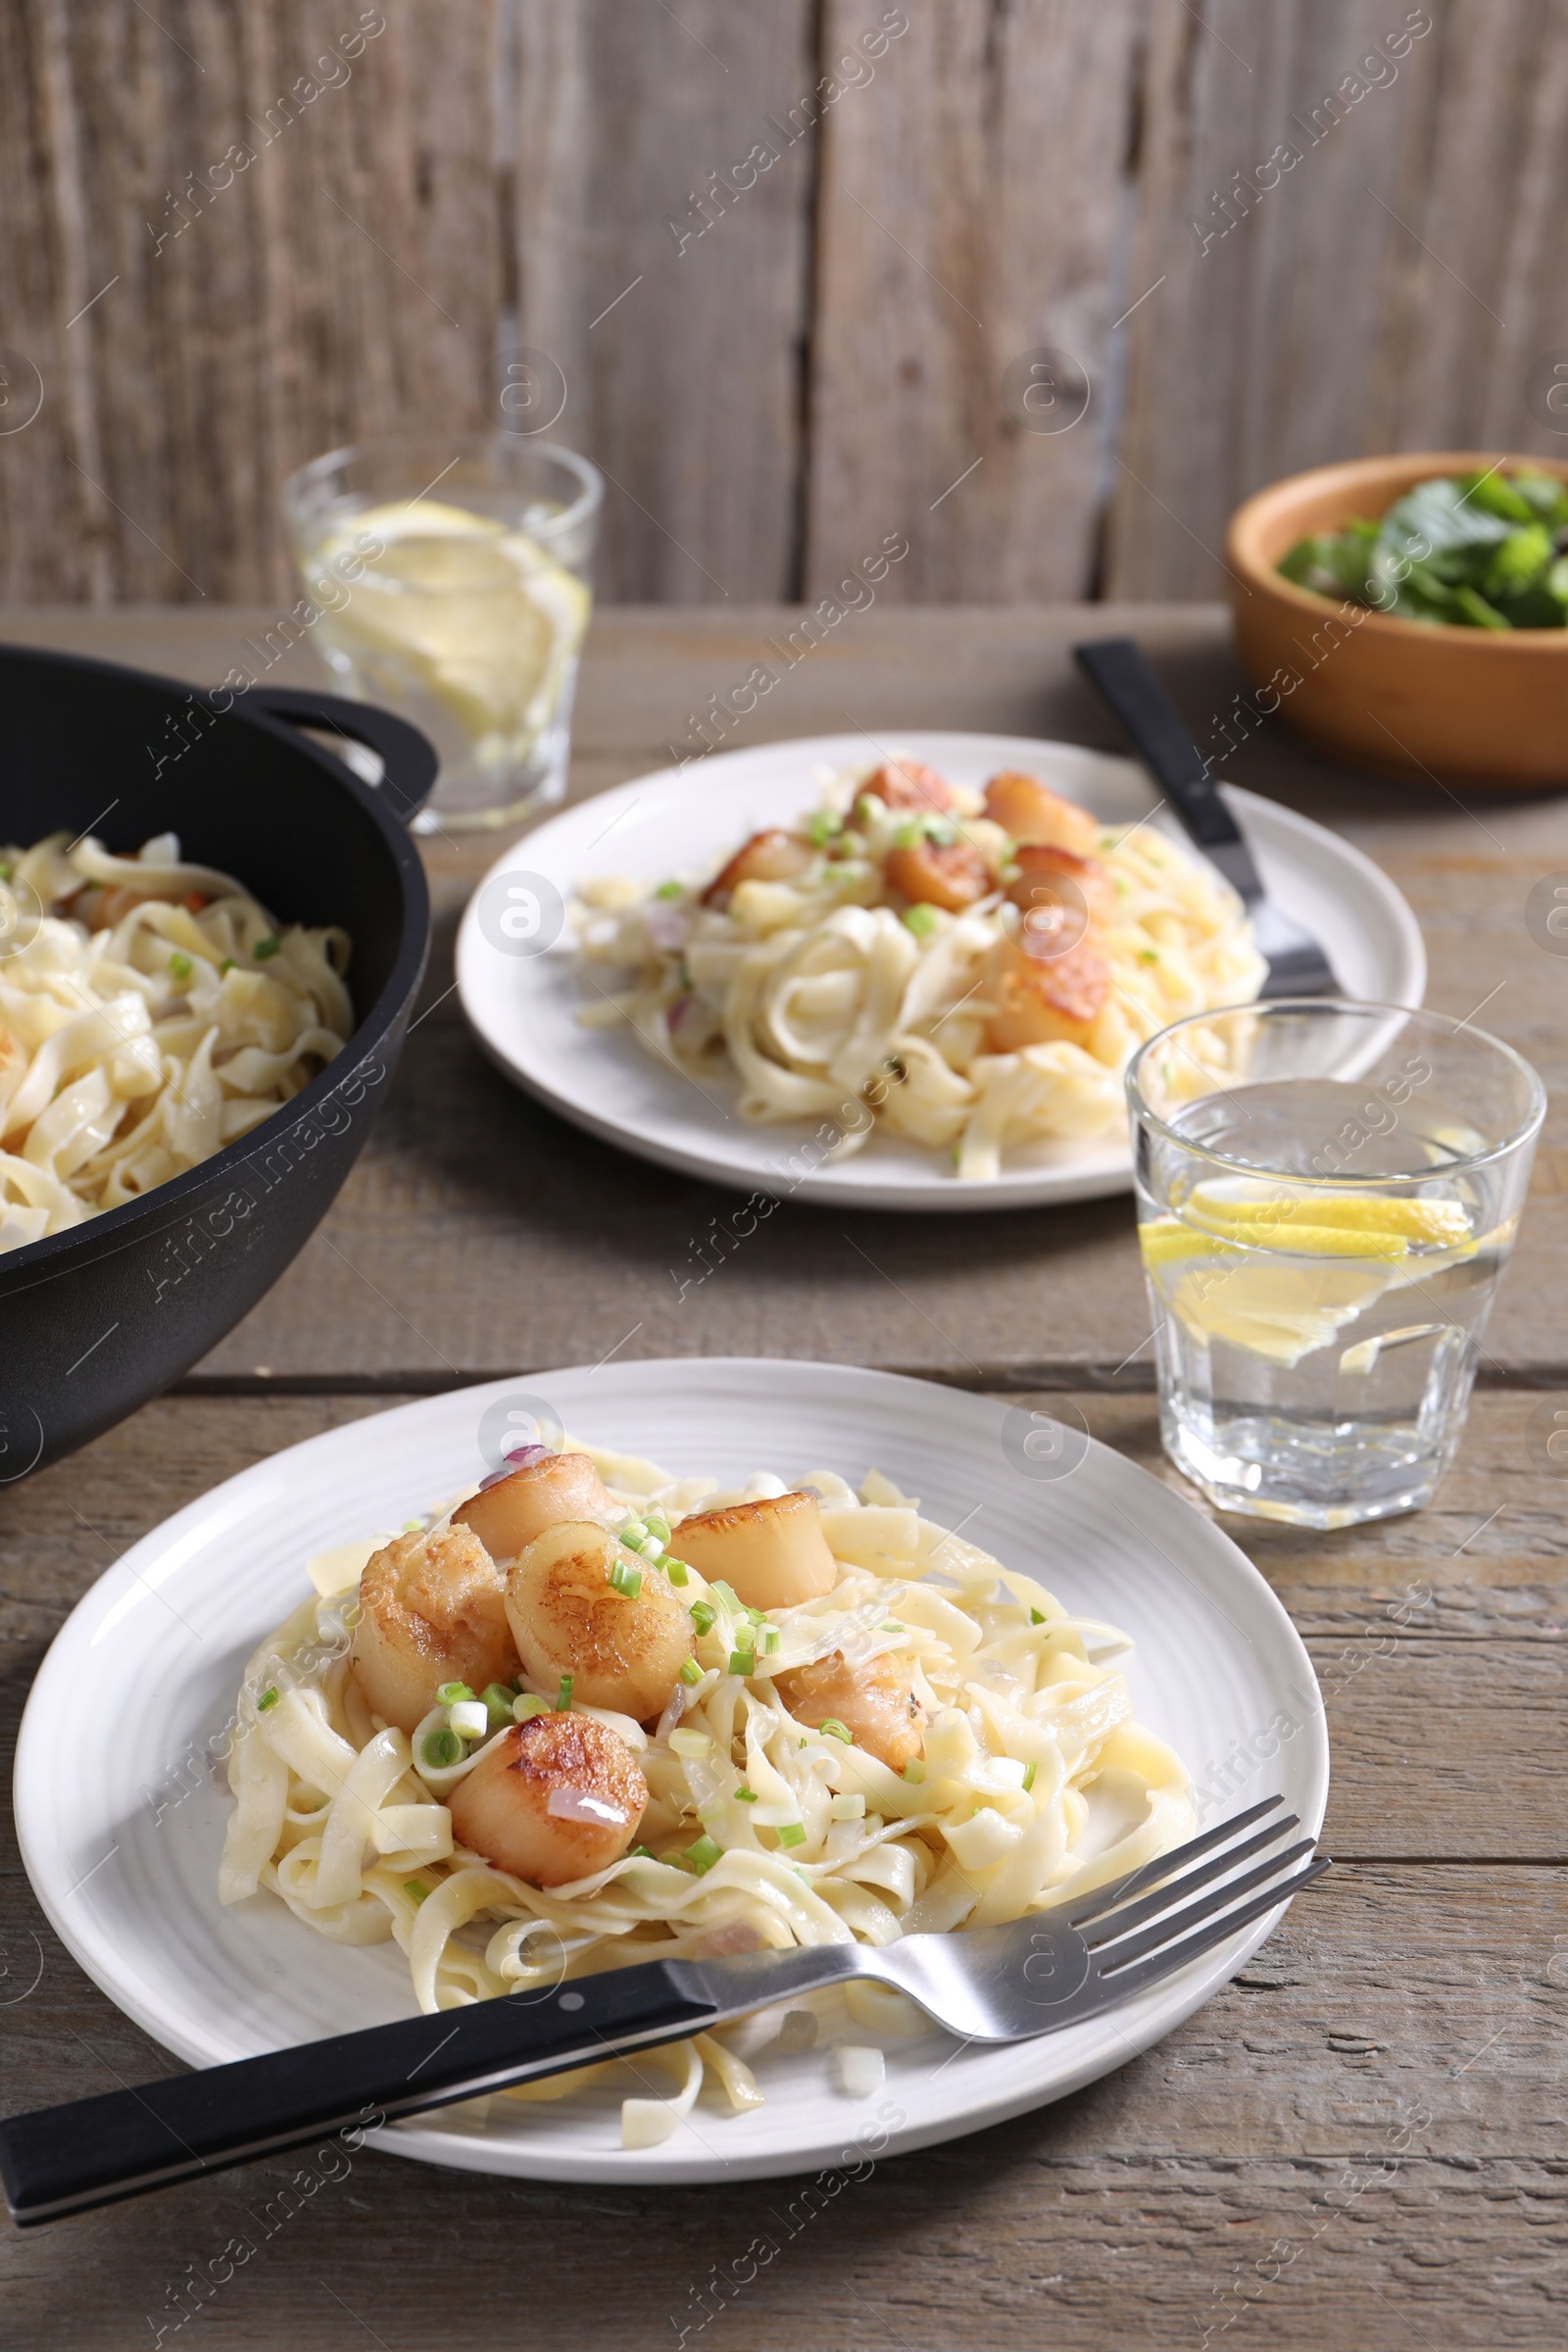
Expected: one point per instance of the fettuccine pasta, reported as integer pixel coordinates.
(928, 1741)
(151, 1011)
(971, 973)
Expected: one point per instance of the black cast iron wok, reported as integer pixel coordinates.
(95, 1321)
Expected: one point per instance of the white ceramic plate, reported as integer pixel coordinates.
(120, 1828)
(522, 1004)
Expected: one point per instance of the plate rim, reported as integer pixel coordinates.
(1021, 1188)
(1168, 2005)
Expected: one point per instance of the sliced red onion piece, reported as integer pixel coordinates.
(575, 1804)
(522, 1457)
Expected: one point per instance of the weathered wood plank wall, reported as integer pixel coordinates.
(784, 255)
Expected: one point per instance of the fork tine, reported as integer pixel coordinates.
(1101, 1899)
(1117, 1950)
(1124, 1982)
(1122, 1918)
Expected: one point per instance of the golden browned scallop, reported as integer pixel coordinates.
(510, 1513)
(770, 856)
(875, 1702)
(1031, 811)
(908, 784)
(432, 1610)
(1059, 882)
(1041, 998)
(933, 874)
(773, 1552)
(553, 1799)
(567, 1617)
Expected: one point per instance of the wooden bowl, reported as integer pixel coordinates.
(1406, 697)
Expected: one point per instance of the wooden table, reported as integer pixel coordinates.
(1362, 2141)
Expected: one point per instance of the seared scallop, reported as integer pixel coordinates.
(773, 1552)
(770, 856)
(908, 784)
(622, 1649)
(1041, 999)
(553, 1799)
(1031, 811)
(510, 1513)
(933, 874)
(875, 1702)
(432, 1610)
(1073, 892)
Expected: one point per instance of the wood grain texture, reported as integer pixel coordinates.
(243, 247)
(821, 360)
(666, 270)
(1300, 213)
(968, 214)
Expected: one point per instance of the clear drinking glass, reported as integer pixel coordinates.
(1326, 1196)
(452, 581)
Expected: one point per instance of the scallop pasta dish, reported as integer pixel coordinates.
(968, 971)
(591, 1715)
(150, 1010)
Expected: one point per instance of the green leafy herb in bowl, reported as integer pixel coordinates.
(1486, 551)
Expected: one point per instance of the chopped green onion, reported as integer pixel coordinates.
(768, 1639)
(791, 1832)
(418, 1889)
(920, 919)
(181, 966)
(568, 1684)
(633, 1531)
(847, 1808)
(756, 1616)
(687, 1742)
(677, 1571)
(823, 826)
(703, 1855)
(670, 890)
(1037, 1616)
(744, 1795)
(452, 1694)
(1149, 954)
(891, 1625)
(626, 1579)
(645, 1852)
(837, 1731)
(742, 1661)
(496, 1705)
(469, 1719)
(691, 1672)
(265, 948)
(1029, 1777)
(530, 1704)
(411, 1527)
(728, 1599)
(6, 873)
(442, 1748)
(914, 1772)
(868, 809)
(269, 1698)
(703, 1616)
(909, 835)
(227, 966)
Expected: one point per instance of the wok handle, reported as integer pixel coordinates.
(1123, 676)
(408, 759)
(62, 2160)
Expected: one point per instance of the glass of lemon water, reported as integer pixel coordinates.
(451, 580)
(1327, 1194)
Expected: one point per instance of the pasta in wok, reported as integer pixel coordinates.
(150, 1010)
(594, 1714)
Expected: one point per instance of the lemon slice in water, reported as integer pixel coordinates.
(480, 616)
